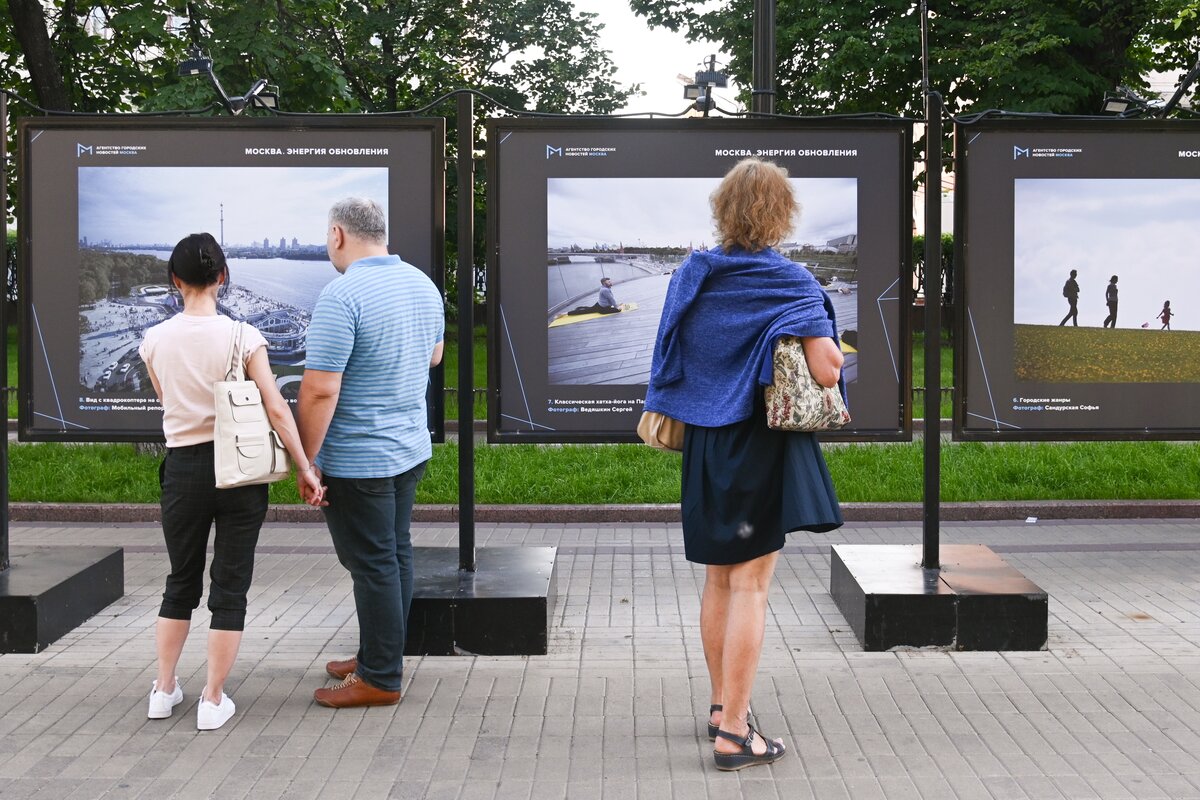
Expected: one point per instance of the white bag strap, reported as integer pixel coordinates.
(234, 368)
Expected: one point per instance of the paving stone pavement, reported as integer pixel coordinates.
(1111, 709)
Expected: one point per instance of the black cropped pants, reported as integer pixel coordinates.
(191, 503)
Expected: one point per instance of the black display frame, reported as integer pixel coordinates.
(434, 126)
(901, 432)
(965, 348)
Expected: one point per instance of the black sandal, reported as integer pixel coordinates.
(712, 729)
(728, 762)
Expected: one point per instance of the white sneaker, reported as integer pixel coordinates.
(210, 716)
(162, 703)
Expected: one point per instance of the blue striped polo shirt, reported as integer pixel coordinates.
(377, 324)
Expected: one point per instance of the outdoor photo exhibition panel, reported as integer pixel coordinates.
(104, 201)
(1078, 251)
(589, 219)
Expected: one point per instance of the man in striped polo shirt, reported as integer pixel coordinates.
(375, 332)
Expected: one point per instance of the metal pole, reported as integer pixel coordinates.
(466, 331)
(933, 327)
(763, 97)
(710, 85)
(933, 309)
(4, 554)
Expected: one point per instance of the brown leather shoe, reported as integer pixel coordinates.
(340, 669)
(354, 692)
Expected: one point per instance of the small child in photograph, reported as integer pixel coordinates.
(1165, 315)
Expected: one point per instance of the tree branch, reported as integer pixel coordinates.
(45, 71)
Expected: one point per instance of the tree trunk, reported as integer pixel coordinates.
(29, 25)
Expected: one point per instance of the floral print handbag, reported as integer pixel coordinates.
(796, 402)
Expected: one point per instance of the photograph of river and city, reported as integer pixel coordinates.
(634, 232)
(1106, 285)
(271, 222)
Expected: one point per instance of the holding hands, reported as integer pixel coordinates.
(312, 491)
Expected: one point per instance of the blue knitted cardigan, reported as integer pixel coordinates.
(722, 315)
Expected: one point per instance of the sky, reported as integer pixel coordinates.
(652, 57)
(675, 211)
(1143, 231)
(139, 205)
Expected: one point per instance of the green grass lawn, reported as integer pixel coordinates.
(596, 474)
(1050, 354)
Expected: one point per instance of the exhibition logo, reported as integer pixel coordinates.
(576, 152)
(103, 150)
(1045, 152)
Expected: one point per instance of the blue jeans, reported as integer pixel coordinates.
(369, 520)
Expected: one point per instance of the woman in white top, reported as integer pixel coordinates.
(184, 356)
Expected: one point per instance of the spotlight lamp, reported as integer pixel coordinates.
(1114, 104)
(260, 94)
(718, 80)
(268, 97)
(706, 80)
(197, 63)
(1124, 102)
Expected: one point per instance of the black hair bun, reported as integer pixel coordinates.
(212, 270)
(197, 260)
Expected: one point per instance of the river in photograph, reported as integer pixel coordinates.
(289, 281)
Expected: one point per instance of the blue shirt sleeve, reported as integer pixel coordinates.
(330, 335)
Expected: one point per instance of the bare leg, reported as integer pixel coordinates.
(222, 651)
(714, 613)
(748, 585)
(169, 636)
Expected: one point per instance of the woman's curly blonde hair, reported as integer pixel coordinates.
(754, 205)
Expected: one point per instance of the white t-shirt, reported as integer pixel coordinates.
(187, 355)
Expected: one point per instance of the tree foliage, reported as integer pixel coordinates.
(1057, 56)
(1189, 15)
(102, 272)
(325, 55)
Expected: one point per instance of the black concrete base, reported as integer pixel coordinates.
(976, 601)
(48, 591)
(501, 609)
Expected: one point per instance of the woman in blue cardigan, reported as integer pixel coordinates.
(744, 485)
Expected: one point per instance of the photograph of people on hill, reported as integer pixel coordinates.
(1096, 263)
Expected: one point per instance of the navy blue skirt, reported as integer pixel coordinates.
(745, 486)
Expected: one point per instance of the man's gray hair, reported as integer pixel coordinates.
(360, 217)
